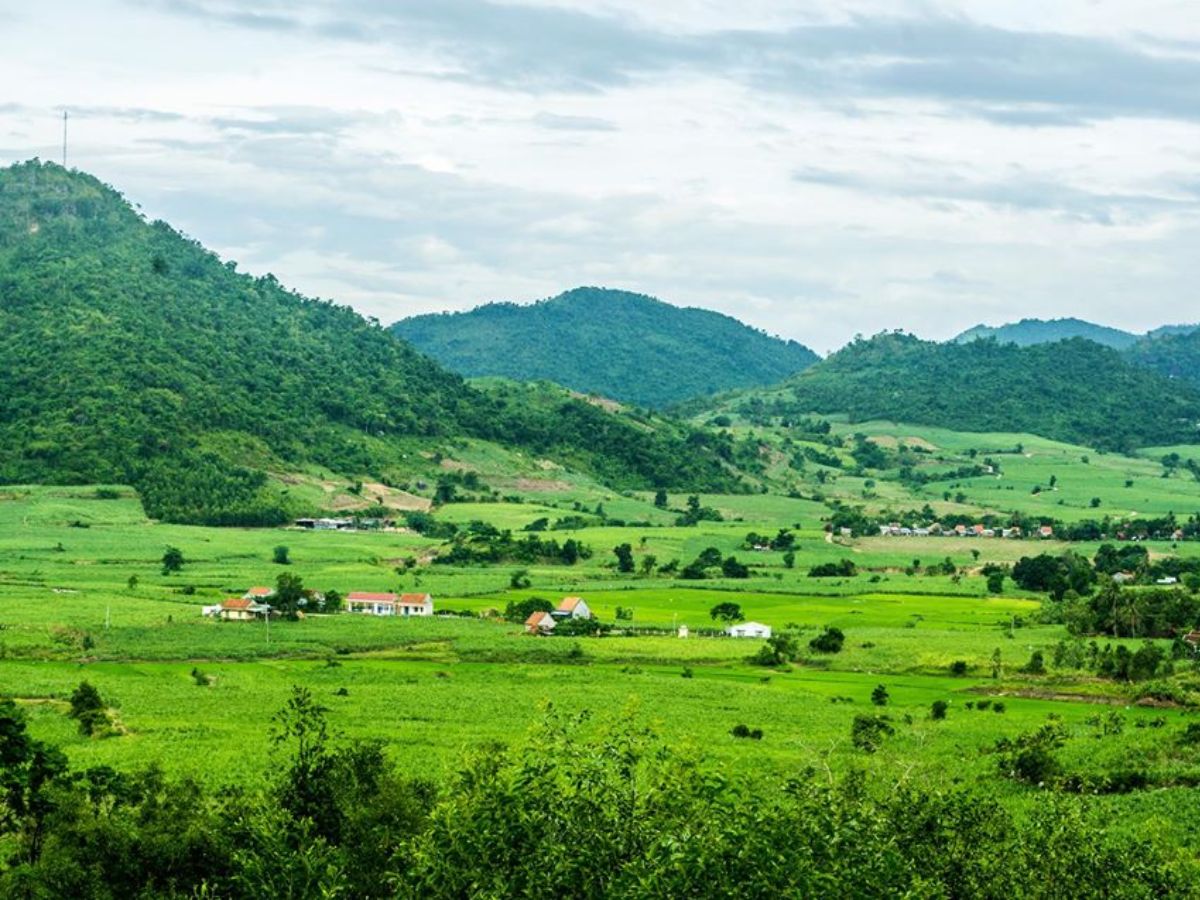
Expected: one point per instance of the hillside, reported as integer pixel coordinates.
(130, 354)
(617, 344)
(1075, 391)
(1174, 354)
(1029, 332)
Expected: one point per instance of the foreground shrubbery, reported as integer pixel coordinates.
(575, 812)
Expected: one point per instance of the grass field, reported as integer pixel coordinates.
(83, 596)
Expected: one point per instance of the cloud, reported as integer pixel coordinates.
(556, 122)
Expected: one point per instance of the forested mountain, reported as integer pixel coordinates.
(626, 346)
(1172, 353)
(1029, 332)
(130, 354)
(1073, 391)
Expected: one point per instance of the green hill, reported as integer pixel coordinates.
(130, 354)
(1175, 354)
(626, 346)
(1029, 332)
(1075, 391)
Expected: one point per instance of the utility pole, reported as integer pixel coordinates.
(64, 139)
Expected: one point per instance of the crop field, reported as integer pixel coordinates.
(83, 597)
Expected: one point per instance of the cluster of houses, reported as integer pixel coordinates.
(544, 623)
(895, 529)
(255, 604)
(356, 524)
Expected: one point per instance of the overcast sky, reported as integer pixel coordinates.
(815, 169)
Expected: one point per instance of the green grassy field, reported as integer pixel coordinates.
(435, 688)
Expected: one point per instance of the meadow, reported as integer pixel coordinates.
(83, 597)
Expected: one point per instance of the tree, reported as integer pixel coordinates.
(660, 498)
(132, 583)
(333, 601)
(779, 650)
(280, 556)
(731, 568)
(624, 554)
(727, 612)
(88, 709)
(172, 560)
(995, 583)
(867, 732)
(519, 579)
(879, 696)
(789, 559)
(828, 641)
(1037, 663)
(937, 709)
(647, 564)
(289, 594)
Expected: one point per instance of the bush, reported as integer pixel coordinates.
(958, 667)
(87, 708)
(828, 641)
(280, 556)
(879, 696)
(937, 709)
(867, 732)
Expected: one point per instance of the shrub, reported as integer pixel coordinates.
(867, 732)
(879, 696)
(828, 641)
(937, 709)
(958, 667)
(280, 556)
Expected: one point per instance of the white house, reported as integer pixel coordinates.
(240, 609)
(572, 608)
(683, 631)
(749, 629)
(210, 611)
(415, 605)
(372, 604)
(539, 623)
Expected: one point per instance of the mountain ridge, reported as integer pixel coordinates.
(667, 353)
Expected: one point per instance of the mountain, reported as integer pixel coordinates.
(629, 347)
(1173, 353)
(1029, 332)
(130, 354)
(1075, 390)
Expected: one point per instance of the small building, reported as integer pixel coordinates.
(210, 612)
(683, 631)
(1045, 532)
(242, 609)
(415, 605)
(1123, 577)
(539, 623)
(1167, 579)
(371, 604)
(749, 629)
(1192, 637)
(259, 593)
(572, 608)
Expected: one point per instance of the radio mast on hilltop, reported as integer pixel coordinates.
(64, 139)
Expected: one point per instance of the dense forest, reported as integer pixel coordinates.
(1075, 391)
(130, 354)
(1176, 355)
(625, 346)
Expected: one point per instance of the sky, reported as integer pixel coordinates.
(818, 170)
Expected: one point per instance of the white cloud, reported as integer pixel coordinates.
(816, 170)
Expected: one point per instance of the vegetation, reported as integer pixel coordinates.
(666, 354)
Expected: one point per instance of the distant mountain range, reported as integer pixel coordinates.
(1074, 390)
(1029, 332)
(621, 345)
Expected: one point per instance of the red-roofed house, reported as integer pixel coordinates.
(378, 604)
(415, 605)
(242, 609)
(539, 623)
(258, 593)
(1046, 531)
(572, 608)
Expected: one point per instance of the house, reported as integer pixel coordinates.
(1167, 579)
(1045, 532)
(1192, 637)
(572, 608)
(210, 612)
(415, 605)
(683, 631)
(1123, 577)
(539, 623)
(749, 629)
(371, 604)
(846, 532)
(242, 609)
(259, 593)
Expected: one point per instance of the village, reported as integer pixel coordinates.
(255, 604)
